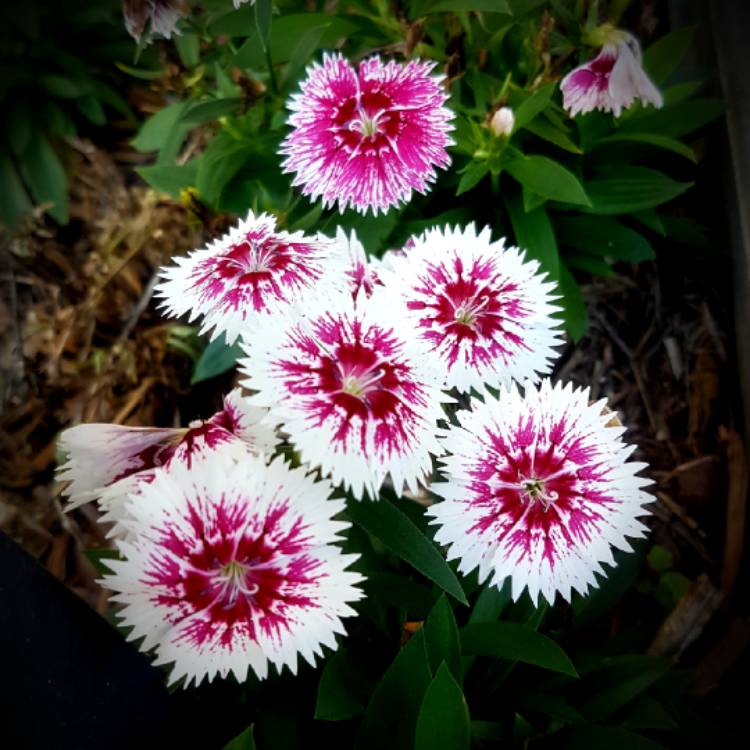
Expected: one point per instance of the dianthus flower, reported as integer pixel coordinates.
(368, 136)
(360, 270)
(612, 81)
(539, 490)
(357, 393)
(242, 279)
(107, 462)
(482, 307)
(231, 566)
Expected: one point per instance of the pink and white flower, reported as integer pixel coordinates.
(612, 81)
(360, 270)
(163, 15)
(539, 489)
(242, 279)
(107, 462)
(480, 306)
(232, 566)
(357, 393)
(368, 136)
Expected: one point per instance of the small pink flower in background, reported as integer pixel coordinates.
(243, 278)
(480, 306)
(360, 270)
(612, 81)
(357, 393)
(502, 122)
(163, 14)
(538, 489)
(368, 136)
(107, 462)
(232, 566)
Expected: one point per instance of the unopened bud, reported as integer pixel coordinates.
(502, 121)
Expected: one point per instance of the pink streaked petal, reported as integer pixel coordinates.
(367, 138)
(482, 308)
(232, 566)
(358, 395)
(238, 281)
(538, 489)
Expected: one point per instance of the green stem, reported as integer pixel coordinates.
(271, 76)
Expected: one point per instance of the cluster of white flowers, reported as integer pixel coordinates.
(229, 556)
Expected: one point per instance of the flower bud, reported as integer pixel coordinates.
(502, 121)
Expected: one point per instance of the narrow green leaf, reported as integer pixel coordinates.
(443, 720)
(664, 56)
(243, 741)
(490, 603)
(216, 359)
(211, 110)
(650, 219)
(391, 715)
(63, 87)
(548, 178)
(602, 235)
(472, 176)
(441, 639)
(155, 132)
(651, 139)
(399, 534)
(515, 642)
(589, 263)
(15, 200)
(170, 178)
(19, 126)
(676, 120)
(306, 45)
(533, 105)
(340, 692)
(632, 189)
(544, 129)
(218, 164)
(188, 48)
(534, 234)
(575, 315)
(98, 558)
(531, 200)
(45, 177)
(423, 7)
(91, 109)
(263, 14)
(550, 705)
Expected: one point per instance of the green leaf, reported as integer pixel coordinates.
(601, 235)
(534, 234)
(548, 178)
(664, 56)
(595, 737)
(216, 359)
(650, 219)
(340, 693)
(19, 126)
(676, 120)
(219, 163)
(632, 189)
(423, 7)
(398, 590)
(651, 139)
(588, 263)
(515, 642)
(170, 178)
(98, 558)
(550, 705)
(263, 14)
(211, 110)
(575, 315)
(306, 45)
(490, 603)
(531, 200)
(155, 132)
(441, 639)
(188, 48)
(243, 741)
(399, 534)
(547, 131)
(141, 73)
(63, 87)
(472, 175)
(91, 109)
(45, 177)
(391, 715)
(443, 720)
(533, 105)
(660, 559)
(15, 201)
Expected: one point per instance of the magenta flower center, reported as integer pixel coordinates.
(366, 122)
(599, 70)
